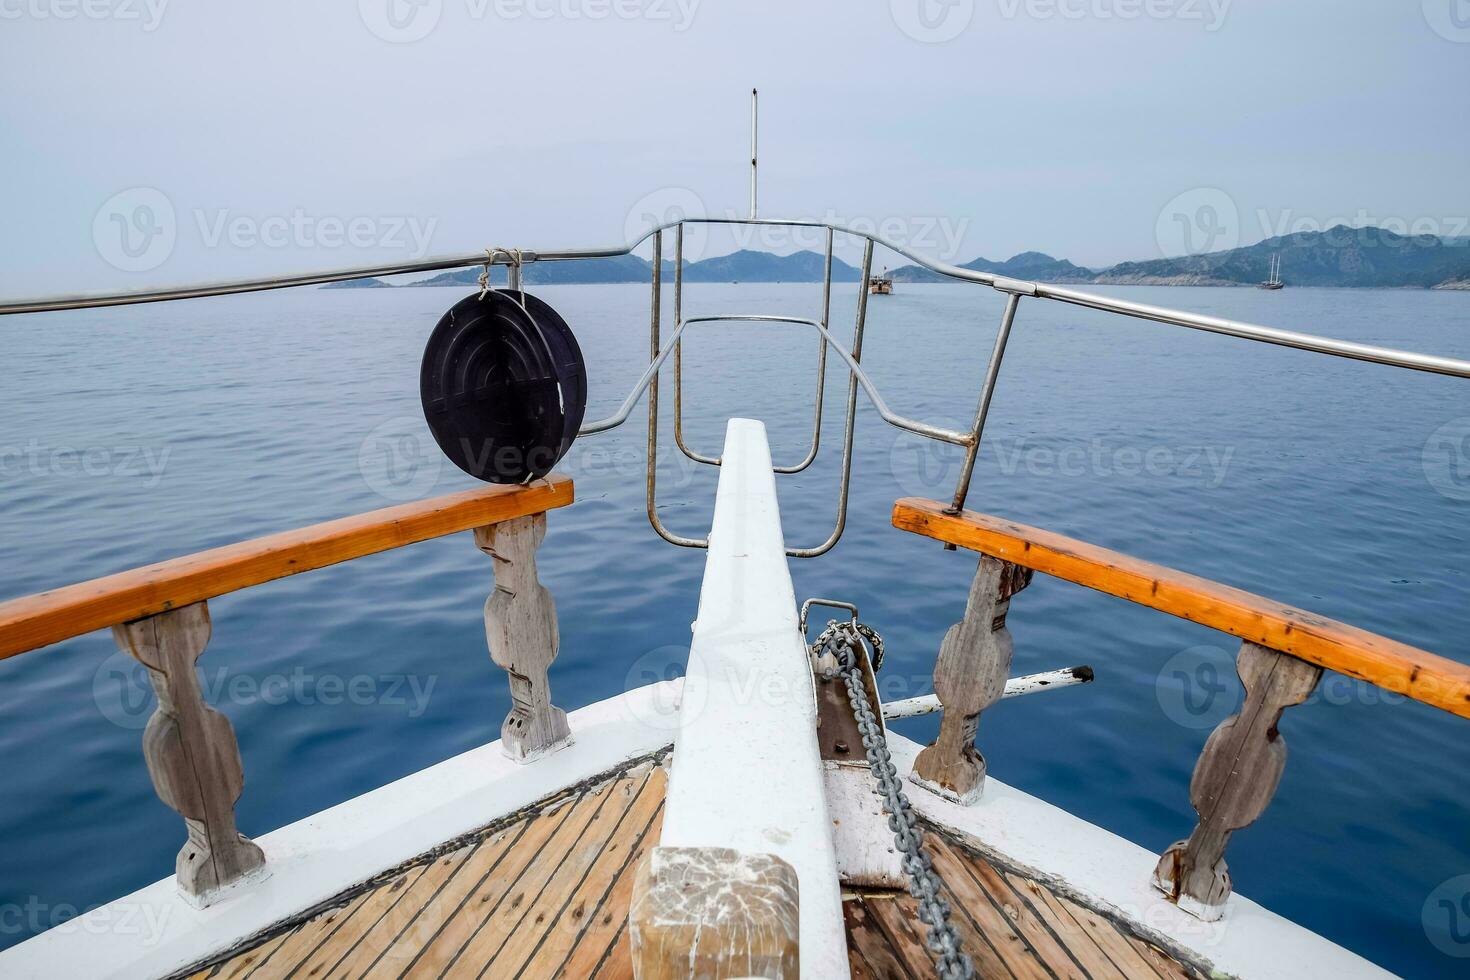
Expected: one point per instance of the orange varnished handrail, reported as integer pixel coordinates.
(1393, 666)
(49, 617)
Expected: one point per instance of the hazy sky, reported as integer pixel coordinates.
(159, 141)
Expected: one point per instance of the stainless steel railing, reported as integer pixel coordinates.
(659, 352)
(816, 442)
(1234, 328)
(971, 438)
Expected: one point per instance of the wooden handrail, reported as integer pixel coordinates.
(49, 617)
(1393, 666)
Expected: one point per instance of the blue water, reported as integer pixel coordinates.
(137, 434)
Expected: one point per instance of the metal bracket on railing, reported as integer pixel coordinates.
(1016, 287)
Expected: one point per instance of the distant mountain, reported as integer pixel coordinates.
(748, 266)
(359, 284)
(1038, 265)
(1339, 256)
(621, 268)
(1027, 265)
(741, 266)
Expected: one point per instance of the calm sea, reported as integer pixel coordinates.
(133, 435)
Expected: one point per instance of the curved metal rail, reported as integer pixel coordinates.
(1234, 328)
(816, 443)
(857, 377)
(659, 354)
(854, 365)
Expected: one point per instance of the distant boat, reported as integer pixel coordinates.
(1274, 282)
(880, 285)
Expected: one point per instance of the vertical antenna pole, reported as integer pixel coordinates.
(754, 104)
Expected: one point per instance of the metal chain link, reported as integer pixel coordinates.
(875, 642)
(840, 639)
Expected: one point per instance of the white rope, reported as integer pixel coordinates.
(514, 257)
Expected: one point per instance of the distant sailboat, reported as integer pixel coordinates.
(1274, 282)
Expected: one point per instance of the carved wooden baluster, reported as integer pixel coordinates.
(1236, 776)
(969, 676)
(520, 626)
(191, 751)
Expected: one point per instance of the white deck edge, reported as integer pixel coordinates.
(155, 932)
(746, 774)
(1107, 871)
(747, 771)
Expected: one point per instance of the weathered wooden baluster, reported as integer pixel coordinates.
(1236, 776)
(520, 626)
(969, 676)
(192, 752)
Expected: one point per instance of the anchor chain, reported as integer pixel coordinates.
(875, 642)
(840, 640)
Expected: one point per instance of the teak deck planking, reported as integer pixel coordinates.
(547, 895)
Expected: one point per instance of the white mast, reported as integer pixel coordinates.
(754, 102)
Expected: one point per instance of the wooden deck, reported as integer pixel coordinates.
(546, 892)
(1010, 925)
